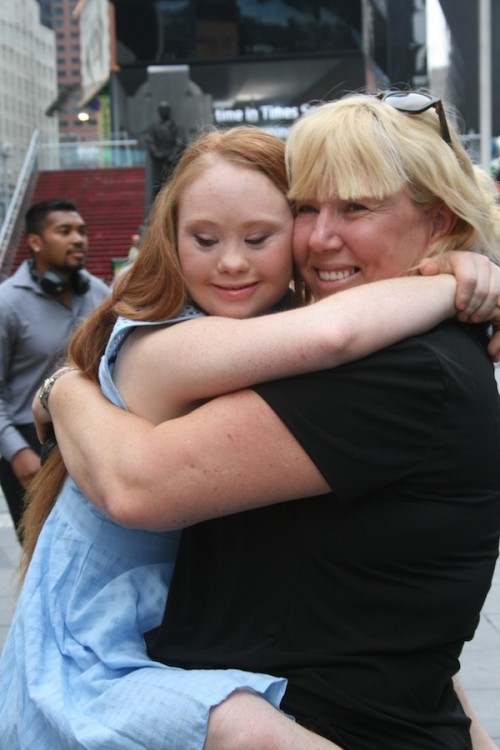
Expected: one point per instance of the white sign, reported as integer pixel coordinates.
(95, 43)
(262, 114)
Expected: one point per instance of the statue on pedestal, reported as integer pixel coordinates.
(163, 146)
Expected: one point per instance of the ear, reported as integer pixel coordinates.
(443, 221)
(34, 242)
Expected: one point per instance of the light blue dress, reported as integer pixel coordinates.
(74, 672)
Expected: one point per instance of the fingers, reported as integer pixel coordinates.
(478, 283)
(482, 305)
(478, 288)
(431, 267)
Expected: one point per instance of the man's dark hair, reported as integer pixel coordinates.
(36, 216)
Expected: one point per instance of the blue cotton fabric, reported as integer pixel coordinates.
(74, 672)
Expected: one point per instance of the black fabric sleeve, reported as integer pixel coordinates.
(367, 423)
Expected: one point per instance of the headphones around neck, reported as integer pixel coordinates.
(55, 283)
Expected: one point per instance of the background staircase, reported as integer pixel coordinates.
(111, 201)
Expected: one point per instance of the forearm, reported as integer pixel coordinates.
(185, 470)
(359, 321)
(373, 316)
(86, 425)
(11, 440)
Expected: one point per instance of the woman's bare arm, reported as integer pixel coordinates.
(162, 373)
(208, 357)
(184, 470)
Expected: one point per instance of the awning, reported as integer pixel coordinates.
(62, 97)
(92, 91)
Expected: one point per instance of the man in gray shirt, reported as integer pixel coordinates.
(40, 306)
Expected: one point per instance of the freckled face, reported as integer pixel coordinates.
(340, 244)
(234, 241)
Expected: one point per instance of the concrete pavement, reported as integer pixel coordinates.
(480, 674)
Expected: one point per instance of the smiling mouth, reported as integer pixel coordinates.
(240, 288)
(337, 275)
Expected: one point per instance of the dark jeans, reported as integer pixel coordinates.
(14, 493)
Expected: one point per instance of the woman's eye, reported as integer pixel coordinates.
(205, 241)
(256, 241)
(305, 208)
(353, 207)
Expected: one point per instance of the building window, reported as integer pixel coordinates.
(221, 29)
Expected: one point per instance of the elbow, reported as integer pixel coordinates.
(342, 343)
(126, 507)
(135, 507)
(113, 496)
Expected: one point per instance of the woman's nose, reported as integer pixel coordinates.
(233, 259)
(325, 234)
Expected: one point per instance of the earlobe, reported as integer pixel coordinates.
(33, 242)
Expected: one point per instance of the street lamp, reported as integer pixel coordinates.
(485, 91)
(5, 153)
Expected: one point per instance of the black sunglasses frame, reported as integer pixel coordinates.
(394, 99)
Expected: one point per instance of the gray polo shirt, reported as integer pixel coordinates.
(34, 331)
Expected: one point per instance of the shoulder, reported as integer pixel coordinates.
(6, 288)
(98, 285)
(21, 278)
(96, 281)
(452, 345)
(420, 369)
(15, 287)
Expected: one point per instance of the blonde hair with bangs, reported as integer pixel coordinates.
(360, 147)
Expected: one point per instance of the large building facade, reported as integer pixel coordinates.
(463, 18)
(60, 16)
(27, 86)
(263, 61)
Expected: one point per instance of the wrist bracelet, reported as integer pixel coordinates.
(48, 384)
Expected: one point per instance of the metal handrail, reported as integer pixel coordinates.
(10, 231)
(122, 152)
(83, 154)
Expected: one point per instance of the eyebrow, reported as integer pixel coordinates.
(69, 225)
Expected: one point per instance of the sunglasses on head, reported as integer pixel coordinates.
(413, 103)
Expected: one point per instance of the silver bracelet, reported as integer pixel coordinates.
(48, 384)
